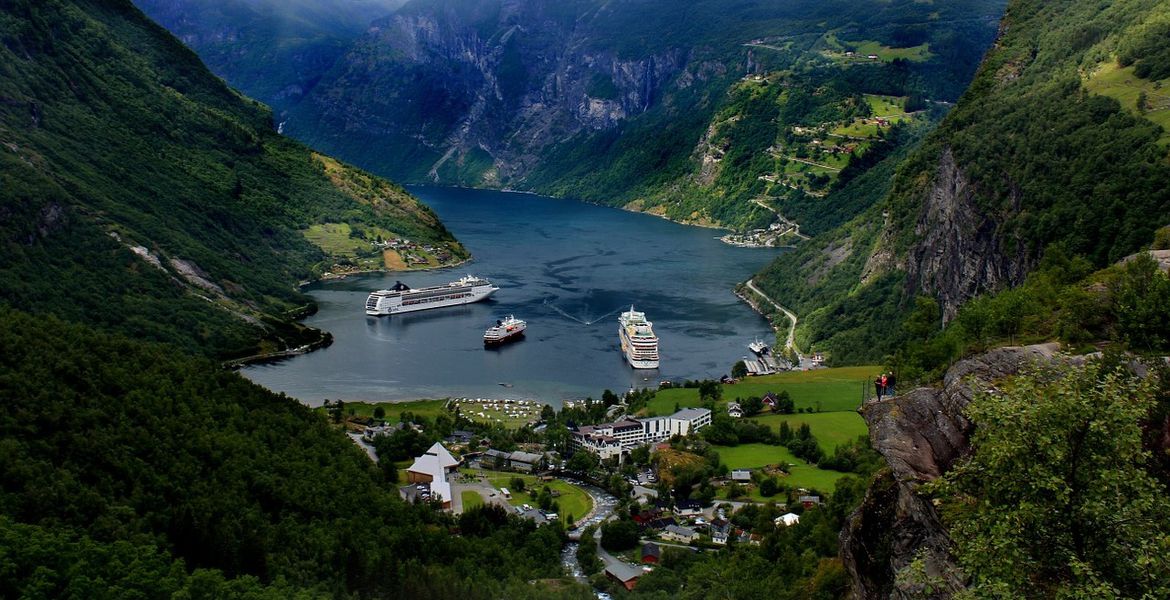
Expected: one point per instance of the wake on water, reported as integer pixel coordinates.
(584, 321)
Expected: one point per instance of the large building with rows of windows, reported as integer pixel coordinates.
(613, 439)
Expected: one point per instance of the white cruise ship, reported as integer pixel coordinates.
(402, 299)
(639, 343)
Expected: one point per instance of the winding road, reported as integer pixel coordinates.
(791, 342)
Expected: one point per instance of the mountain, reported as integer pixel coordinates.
(272, 50)
(1060, 142)
(143, 195)
(152, 222)
(628, 103)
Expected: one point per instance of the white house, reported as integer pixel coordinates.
(734, 410)
(432, 468)
(787, 519)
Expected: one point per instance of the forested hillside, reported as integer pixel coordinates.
(1049, 148)
(148, 203)
(142, 194)
(131, 470)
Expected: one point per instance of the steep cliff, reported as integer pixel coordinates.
(895, 545)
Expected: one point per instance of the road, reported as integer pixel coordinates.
(795, 227)
(369, 449)
(791, 341)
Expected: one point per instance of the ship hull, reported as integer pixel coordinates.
(511, 337)
(642, 364)
(386, 308)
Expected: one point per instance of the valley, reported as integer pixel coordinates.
(952, 217)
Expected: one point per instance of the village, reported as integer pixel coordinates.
(653, 471)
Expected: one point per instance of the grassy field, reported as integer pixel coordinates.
(801, 475)
(835, 389)
(831, 429)
(1125, 87)
(885, 53)
(573, 501)
(394, 410)
(836, 51)
(886, 106)
(471, 499)
(335, 239)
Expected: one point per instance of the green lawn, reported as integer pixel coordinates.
(831, 429)
(753, 456)
(471, 499)
(836, 389)
(394, 410)
(574, 502)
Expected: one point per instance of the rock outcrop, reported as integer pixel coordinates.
(960, 252)
(895, 545)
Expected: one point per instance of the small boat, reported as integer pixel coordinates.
(505, 330)
(759, 347)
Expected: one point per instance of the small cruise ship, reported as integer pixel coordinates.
(505, 330)
(759, 348)
(402, 299)
(639, 344)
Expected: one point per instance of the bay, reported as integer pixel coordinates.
(567, 268)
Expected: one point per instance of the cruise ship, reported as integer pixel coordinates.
(402, 299)
(639, 343)
(505, 330)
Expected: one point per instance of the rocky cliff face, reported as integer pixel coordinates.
(961, 252)
(895, 545)
(483, 90)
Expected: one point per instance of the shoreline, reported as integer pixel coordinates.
(340, 276)
(624, 207)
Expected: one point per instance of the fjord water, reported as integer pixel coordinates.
(567, 268)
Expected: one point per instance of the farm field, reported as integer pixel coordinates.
(886, 106)
(837, 389)
(335, 239)
(919, 53)
(801, 475)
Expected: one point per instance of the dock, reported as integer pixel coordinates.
(762, 365)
